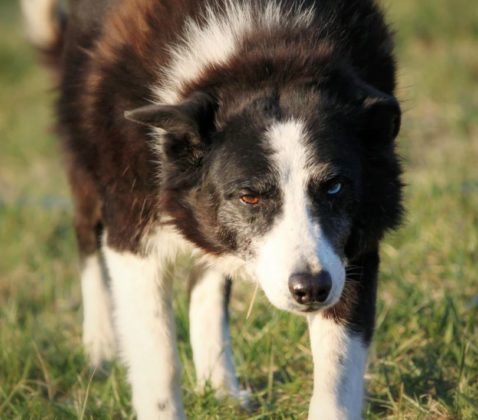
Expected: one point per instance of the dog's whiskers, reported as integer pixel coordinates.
(253, 299)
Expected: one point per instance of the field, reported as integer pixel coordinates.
(424, 360)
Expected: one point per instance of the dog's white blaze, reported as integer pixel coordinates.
(339, 366)
(209, 332)
(98, 332)
(216, 37)
(146, 331)
(40, 21)
(296, 242)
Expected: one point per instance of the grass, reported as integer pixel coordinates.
(424, 360)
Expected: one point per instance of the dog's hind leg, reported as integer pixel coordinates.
(98, 332)
(209, 332)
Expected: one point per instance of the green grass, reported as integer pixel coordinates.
(424, 360)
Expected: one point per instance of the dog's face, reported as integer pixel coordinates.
(274, 178)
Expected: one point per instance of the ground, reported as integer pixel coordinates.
(424, 360)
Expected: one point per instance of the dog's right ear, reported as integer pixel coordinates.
(186, 124)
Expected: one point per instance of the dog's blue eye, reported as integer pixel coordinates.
(334, 189)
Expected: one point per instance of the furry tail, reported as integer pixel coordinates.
(45, 24)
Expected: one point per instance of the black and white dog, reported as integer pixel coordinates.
(258, 135)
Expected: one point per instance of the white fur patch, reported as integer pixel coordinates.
(296, 242)
(41, 21)
(215, 38)
(209, 332)
(98, 332)
(339, 366)
(146, 330)
(166, 243)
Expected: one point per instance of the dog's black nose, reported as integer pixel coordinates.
(309, 289)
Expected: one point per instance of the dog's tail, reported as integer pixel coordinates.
(46, 22)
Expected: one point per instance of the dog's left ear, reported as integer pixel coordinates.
(189, 121)
(381, 116)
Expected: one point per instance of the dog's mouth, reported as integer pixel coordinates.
(312, 308)
(307, 309)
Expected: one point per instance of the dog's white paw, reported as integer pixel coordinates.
(245, 400)
(243, 397)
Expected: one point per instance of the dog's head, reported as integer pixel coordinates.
(294, 180)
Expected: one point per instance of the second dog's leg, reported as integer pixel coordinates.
(147, 336)
(210, 337)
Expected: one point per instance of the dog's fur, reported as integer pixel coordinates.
(258, 135)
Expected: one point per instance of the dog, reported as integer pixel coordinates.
(259, 136)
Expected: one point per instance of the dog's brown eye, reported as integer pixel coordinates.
(250, 199)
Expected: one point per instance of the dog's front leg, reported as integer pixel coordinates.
(340, 338)
(339, 362)
(145, 325)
